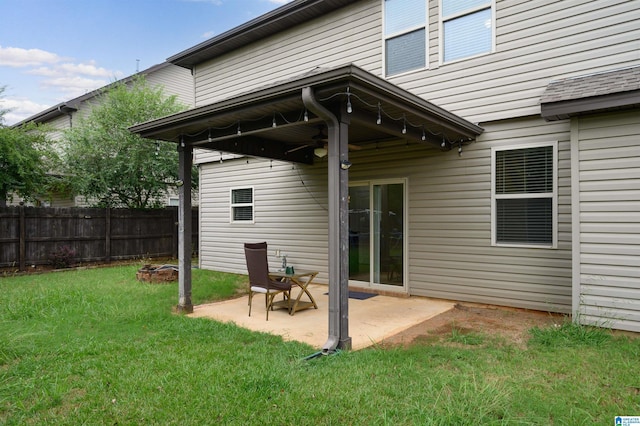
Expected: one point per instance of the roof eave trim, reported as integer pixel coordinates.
(562, 110)
(190, 57)
(347, 73)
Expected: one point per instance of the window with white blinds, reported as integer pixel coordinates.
(524, 195)
(466, 28)
(242, 205)
(405, 33)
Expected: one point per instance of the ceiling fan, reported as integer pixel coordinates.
(320, 142)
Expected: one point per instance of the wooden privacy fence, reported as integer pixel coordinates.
(29, 235)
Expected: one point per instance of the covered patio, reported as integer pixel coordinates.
(279, 122)
(373, 317)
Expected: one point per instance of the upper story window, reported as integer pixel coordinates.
(466, 28)
(405, 35)
(242, 205)
(524, 193)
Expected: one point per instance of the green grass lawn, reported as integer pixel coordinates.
(97, 347)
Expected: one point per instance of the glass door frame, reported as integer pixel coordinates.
(405, 244)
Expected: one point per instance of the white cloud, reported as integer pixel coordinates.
(56, 78)
(17, 57)
(72, 86)
(279, 1)
(89, 69)
(19, 109)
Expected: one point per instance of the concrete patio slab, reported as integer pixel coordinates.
(370, 321)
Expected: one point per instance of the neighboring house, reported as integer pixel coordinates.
(175, 80)
(525, 191)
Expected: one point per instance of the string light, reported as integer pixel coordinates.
(375, 108)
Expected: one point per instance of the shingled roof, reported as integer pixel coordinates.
(598, 92)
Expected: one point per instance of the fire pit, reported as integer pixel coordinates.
(157, 273)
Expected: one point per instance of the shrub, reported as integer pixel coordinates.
(62, 257)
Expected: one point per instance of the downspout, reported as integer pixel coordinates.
(338, 182)
(66, 111)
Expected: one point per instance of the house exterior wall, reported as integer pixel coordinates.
(607, 225)
(536, 42)
(176, 81)
(449, 196)
(449, 225)
(289, 215)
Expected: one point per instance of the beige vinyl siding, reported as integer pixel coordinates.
(201, 156)
(449, 237)
(176, 81)
(608, 270)
(536, 42)
(58, 125)
(449, 208)
(289, 215)
(350, 35)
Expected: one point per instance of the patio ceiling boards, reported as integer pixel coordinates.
(245, 124)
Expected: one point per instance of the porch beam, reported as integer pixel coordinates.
(260, 147)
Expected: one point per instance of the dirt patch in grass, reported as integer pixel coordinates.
(472, 320)
(46, 268)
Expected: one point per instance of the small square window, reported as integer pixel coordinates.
(242, 205)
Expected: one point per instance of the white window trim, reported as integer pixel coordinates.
(441, 20)
(252, 205)
(385, 37)
(554, 198)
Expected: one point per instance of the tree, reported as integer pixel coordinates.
(3, 111)
(26, 158)
(111, 166)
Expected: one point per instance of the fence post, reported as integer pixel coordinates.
(23, 243)
(107, 237)
(174, 214)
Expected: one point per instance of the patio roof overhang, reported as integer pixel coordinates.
(244, 124)
(279, 122)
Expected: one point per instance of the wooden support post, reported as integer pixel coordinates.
(107, 235)
(185, 153)
(22, 245)
(343, 234)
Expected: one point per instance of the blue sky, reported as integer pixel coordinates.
(55, 50)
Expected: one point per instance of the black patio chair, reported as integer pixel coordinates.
(259, 279)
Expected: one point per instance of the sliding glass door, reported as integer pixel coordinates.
(376, 233)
